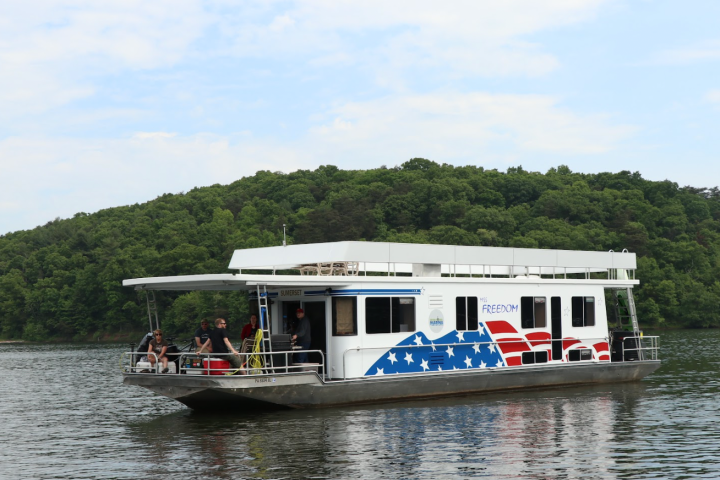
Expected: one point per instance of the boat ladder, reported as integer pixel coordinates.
(266, 344)
(152, 309)
(627, 314)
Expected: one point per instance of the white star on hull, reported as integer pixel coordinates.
(408, 358)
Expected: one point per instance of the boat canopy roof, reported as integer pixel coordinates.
(338, 264)
(452, 259)
(229, 281)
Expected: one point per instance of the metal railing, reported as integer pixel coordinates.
(190, 363)
(135, 359)
(636, 347)
(645, 348)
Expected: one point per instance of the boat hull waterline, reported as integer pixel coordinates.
(308, 390)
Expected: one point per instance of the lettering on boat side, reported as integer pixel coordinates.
(290, 293)
(265, 380)
(500, 308)
(437, 321)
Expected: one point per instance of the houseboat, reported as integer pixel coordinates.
(403, 321)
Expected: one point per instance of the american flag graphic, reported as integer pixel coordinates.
(495, 343)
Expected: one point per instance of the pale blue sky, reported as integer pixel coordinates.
(116, 102)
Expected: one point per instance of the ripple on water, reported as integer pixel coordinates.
(66, 414)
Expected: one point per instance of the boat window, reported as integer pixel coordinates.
(466, 313)
(389, 314)
(344, 316)
(580, 355)
(529, 358)
(533, 313)
(583, 311)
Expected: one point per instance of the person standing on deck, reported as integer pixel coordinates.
(302, 336)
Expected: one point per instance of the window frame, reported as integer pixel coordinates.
(582, 315)
(469, 307)
(334, 302)
(529, 309)
(397, 307)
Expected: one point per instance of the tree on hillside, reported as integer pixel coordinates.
(64, 279)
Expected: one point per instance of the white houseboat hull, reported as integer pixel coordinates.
(308, 390)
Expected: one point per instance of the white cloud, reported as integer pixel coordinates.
(45, 178)
(154, 135)
(464, 37)
(60, 176)
(708, 50)
(51, 51)
(56, 52)
(128, 33)
(67, 56)
(713, 96)
(461, 126)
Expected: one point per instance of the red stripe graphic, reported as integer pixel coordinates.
(513, 361)
(602, 346)
(538, 338)
(500, 326)
(512, 345)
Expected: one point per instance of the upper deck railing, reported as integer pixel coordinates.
(325, 261)
(419, 260)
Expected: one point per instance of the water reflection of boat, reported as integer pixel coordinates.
(399, 321)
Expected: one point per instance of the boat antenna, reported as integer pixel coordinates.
(284, 241)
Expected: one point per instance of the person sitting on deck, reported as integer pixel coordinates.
(221, 344)
(202, 334)
(248, 334)
(250, 329)
(159, 347)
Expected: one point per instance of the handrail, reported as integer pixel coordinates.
(245, 370)
(141, 354)
(652, 348)
(642, 346)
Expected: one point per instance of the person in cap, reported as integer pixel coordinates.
(202, 334)
(302, 336)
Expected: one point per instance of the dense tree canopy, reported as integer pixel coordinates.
(63, 280)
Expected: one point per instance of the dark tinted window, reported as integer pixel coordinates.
(533, 312)
(389, 314)
(466, 313)
(583, 311)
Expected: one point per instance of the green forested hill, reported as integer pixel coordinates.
(63, 280)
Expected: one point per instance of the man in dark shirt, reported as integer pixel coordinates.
(302, 336)
(202, 334)
(221, 344)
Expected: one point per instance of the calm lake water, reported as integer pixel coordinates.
(64, 413)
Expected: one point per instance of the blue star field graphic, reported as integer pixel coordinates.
(458, 350)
